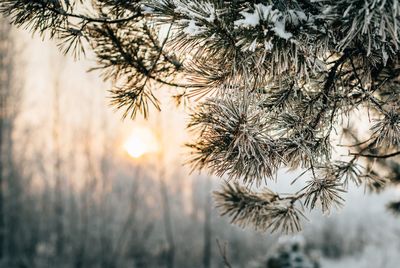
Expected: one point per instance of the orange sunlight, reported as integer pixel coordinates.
(141, 141)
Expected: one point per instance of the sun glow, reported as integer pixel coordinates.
(141, 141)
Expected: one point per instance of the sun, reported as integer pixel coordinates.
(140, 142)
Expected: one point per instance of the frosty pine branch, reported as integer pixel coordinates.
(276, 81)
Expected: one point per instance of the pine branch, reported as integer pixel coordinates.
(377, 156)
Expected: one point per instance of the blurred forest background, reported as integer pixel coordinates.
(71, 196)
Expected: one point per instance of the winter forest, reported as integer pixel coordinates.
(205, 133)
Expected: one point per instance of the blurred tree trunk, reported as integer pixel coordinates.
(9, 89)
(58, 191)
(87, 193)
(170, 257)
(3, 87)
(207, 226)
(166, 209)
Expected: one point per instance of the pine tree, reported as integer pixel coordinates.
(275, 82)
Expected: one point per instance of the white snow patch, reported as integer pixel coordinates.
(260, 13)
(250, 19)
(253, 45)
(211, 18)
(279, 30)
(385, 56)
(268, 45)
(147, 10)
(192, 29)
